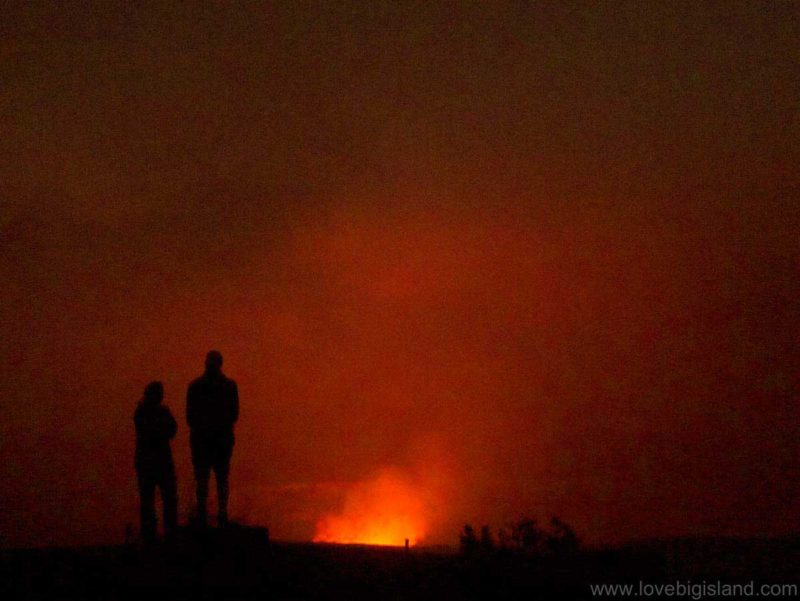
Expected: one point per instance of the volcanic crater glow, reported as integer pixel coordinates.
(384, 511)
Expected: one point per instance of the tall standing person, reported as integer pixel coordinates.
(212, 408)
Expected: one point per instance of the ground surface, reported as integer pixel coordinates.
(242, 564)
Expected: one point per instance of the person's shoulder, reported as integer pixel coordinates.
(198, 381)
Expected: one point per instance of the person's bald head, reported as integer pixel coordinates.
(213, 362)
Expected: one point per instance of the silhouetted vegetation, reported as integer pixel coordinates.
(468, 541)
(527, 536)
(523, 537)
(486, 542)
(561, 539)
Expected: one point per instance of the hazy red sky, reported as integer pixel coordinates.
(535, 257)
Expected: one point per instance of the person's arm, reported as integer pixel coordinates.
(172, 425)
(234, 403)
(191, 406)
(137, 420)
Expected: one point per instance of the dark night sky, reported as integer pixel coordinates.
(527, 257)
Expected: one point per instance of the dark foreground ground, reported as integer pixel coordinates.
(242, 564)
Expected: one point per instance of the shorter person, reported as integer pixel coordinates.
(155, 427)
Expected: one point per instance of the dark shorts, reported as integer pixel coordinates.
(211, 453)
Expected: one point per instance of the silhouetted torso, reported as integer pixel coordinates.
(155, 427)
(212, 408)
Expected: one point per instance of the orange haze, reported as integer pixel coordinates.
(383, 511)
(549, 249)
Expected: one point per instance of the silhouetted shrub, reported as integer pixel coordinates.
(561, 539)
(527, 536)
(504, 542)
(487, 541)
(469, 541)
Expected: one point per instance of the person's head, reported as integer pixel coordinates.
(213, 362)
(153, 392)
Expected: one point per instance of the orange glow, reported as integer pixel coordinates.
(383, 511)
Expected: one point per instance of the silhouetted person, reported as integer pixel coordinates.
(155, 427)
(212, 408)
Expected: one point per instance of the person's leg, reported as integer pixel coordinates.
(202, 471)
(169, 498)
(221, 471)
(147, 510)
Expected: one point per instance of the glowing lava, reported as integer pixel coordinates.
(383, 511)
